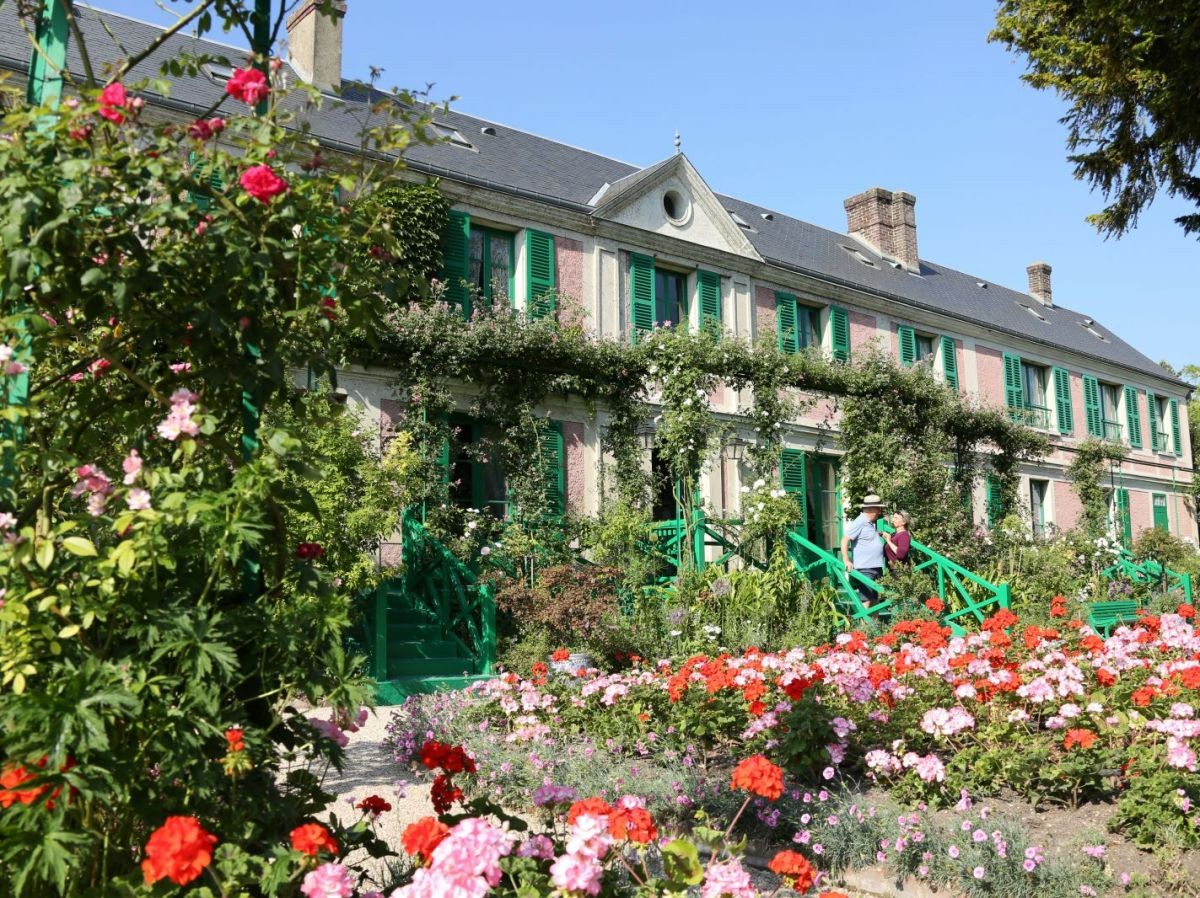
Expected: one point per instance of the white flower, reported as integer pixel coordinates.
(486, 550)
(759, 484)
(471, 525)
(745, 489)
(676, 632)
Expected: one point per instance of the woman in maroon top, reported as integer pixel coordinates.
(898, 543)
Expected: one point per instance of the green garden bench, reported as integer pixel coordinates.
(1103, 616)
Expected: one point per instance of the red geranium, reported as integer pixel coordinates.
(248, 85)
(179, 850)
(11, 780)
(794, 869)
(261, 182)
(422, 837)
(560, 655)
(1085, 739)
(312, 838)
(235, 739)
(759, 776)
(1187, 612)
(934, 604)
(634, 824)
(595, 807)
(373, 805)
(444, 793)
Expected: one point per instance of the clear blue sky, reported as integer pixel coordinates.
(798, 105)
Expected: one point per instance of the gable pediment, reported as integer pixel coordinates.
(670, 198)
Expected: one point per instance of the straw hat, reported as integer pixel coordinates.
(871, 501)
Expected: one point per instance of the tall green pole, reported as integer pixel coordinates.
(44, 86)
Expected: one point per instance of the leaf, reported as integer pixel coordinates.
(18, 684)
(44, 554)
(68, 631)
(78, 545)
(681, 862)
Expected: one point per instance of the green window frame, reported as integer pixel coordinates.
(456, 251)
(1162, 518)
(908, 345)
(1176, 430)
(1157, 443)
(950, 362)
(1063, 411)
(796, 325)
(708, 296)
(1122, 519)
(1133, 417)
(641, 296)
(1091, 406)
(839, 326)
(554, 469)
(540, 274)
(485, 280)
(994, 502)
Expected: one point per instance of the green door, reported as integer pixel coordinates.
(824, 500)
(1161, 520)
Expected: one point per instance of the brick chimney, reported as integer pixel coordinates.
(887, 220)
(1039, 283)
(315, 43)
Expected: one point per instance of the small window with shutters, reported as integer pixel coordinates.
(796, 325)
(1158, 502)
(490, 264)
(915, 347)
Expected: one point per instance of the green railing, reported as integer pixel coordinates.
(1036, 416)
(435, 589)
(964, 593)
(815, 564)
(1150, 571)
(674, 542)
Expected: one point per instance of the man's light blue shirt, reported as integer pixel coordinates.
(866, 548)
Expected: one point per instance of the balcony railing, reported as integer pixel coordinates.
(1035, 416)
(1112, 431)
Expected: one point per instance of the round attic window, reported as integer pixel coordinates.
(676, 207)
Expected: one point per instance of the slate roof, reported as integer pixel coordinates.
(517, 161)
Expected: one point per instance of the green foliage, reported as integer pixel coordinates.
(1087, 473)
(143, 618)
(1127, 70)
(341, 494)
(1156, 809)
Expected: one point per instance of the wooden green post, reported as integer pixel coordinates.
(698, 559)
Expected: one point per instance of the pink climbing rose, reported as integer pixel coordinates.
(261, 182)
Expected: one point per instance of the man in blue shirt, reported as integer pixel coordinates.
(862, 548)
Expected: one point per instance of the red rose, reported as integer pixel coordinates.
(179, 850)
(261, 182)
(308, 551)
(758, 775)
(311, 838)
(113, 99)
(248, 85)
(422, 837)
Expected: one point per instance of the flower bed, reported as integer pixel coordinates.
(928, 717)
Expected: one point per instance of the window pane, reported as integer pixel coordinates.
(1111, 400)
(1034, 378)
(501, 252)
(924, 347)
(476, 275)
(668, 298)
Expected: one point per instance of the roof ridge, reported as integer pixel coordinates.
(159, 27)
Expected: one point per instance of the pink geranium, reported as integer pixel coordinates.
(328, 881)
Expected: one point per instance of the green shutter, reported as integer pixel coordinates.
(1014, 390)
(787, 323)
(839, 324)
(908, 345)
(1176, 433)
(1161, 520)
(1062, 401)
(1091, 406)
(793, 480)
(208, 174)
(539, 267)
(1152, 410)
(995, 501)
(1124, 520)
(456, 260)
(1133, 417)
(708, 286)
(950, 362)
(553, 469)
(641, 295)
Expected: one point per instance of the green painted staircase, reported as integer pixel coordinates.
(432, 628)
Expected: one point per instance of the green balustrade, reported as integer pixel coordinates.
(1150, 571)
(815, 563)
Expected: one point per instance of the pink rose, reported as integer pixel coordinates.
(261, 182)
(248, 85)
